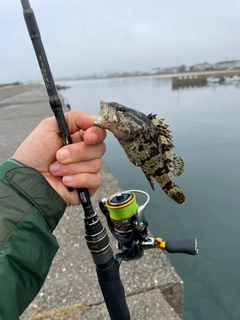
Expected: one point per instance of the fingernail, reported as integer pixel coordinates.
(62, 154)
(93, 137)
(54, 167)
(67, 179)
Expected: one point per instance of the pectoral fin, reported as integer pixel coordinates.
(176, 166)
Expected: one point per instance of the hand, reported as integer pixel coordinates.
(74, 165)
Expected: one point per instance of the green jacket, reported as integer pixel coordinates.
(30, 209)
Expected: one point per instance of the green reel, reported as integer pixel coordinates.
(122, 207)
(125, 218)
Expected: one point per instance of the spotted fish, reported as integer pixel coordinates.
(147, 143)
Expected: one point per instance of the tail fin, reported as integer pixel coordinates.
(170, 188)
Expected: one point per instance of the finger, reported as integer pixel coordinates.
(91, 166)
(78, 119)
(94, 135)
(77, 137)
(80, 152)
(91, 136)
(82, 180)
(85, 121)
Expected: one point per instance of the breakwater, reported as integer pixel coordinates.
(200, 78)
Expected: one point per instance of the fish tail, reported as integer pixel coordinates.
(170, 188)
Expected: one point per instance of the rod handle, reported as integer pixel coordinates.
(187, 246)
(113, 291)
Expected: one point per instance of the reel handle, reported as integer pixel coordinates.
(187, 246)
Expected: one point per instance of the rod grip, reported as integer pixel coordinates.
(113, 291)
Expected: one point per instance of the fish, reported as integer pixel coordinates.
(147, 143)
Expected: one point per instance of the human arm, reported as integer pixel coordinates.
(43, 150)
(33, 200)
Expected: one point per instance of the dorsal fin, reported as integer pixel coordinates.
(152, 116)
(164, 134)
(174, 163)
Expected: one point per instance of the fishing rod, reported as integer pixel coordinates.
(95, 234)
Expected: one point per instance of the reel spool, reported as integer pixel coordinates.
(122, 208)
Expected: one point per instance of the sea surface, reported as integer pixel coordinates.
(205, 125)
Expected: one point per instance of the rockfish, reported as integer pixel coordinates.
(147, 143)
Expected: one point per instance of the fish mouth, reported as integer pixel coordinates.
(98, 121)
(103, 115)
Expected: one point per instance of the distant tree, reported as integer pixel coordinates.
(191, 68)
(182, 68)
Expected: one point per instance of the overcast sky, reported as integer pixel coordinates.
(87, 36)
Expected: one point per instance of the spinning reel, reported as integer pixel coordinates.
(127, 224)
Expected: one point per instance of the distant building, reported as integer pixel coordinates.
(165, 70)
(134, 73)
(233, 64)
(156, 70)
(202, 66)
(173, 70)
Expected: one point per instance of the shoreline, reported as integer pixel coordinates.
(146, 76)
(162, 76)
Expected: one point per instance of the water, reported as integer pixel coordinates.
(205, 125)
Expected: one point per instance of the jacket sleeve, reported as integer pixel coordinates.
(30, 209)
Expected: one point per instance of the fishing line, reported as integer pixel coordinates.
(108, 68)
(58, 47)
(98, 52)
(120, 167)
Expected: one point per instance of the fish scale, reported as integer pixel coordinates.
(148, 144)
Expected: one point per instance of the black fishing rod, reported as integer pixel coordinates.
(95, 234)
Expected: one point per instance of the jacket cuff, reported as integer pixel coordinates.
(31, 184)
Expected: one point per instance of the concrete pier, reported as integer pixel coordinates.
(71, 291)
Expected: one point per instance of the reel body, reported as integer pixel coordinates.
(127, 224)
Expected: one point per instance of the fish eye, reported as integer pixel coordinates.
(121, 109)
